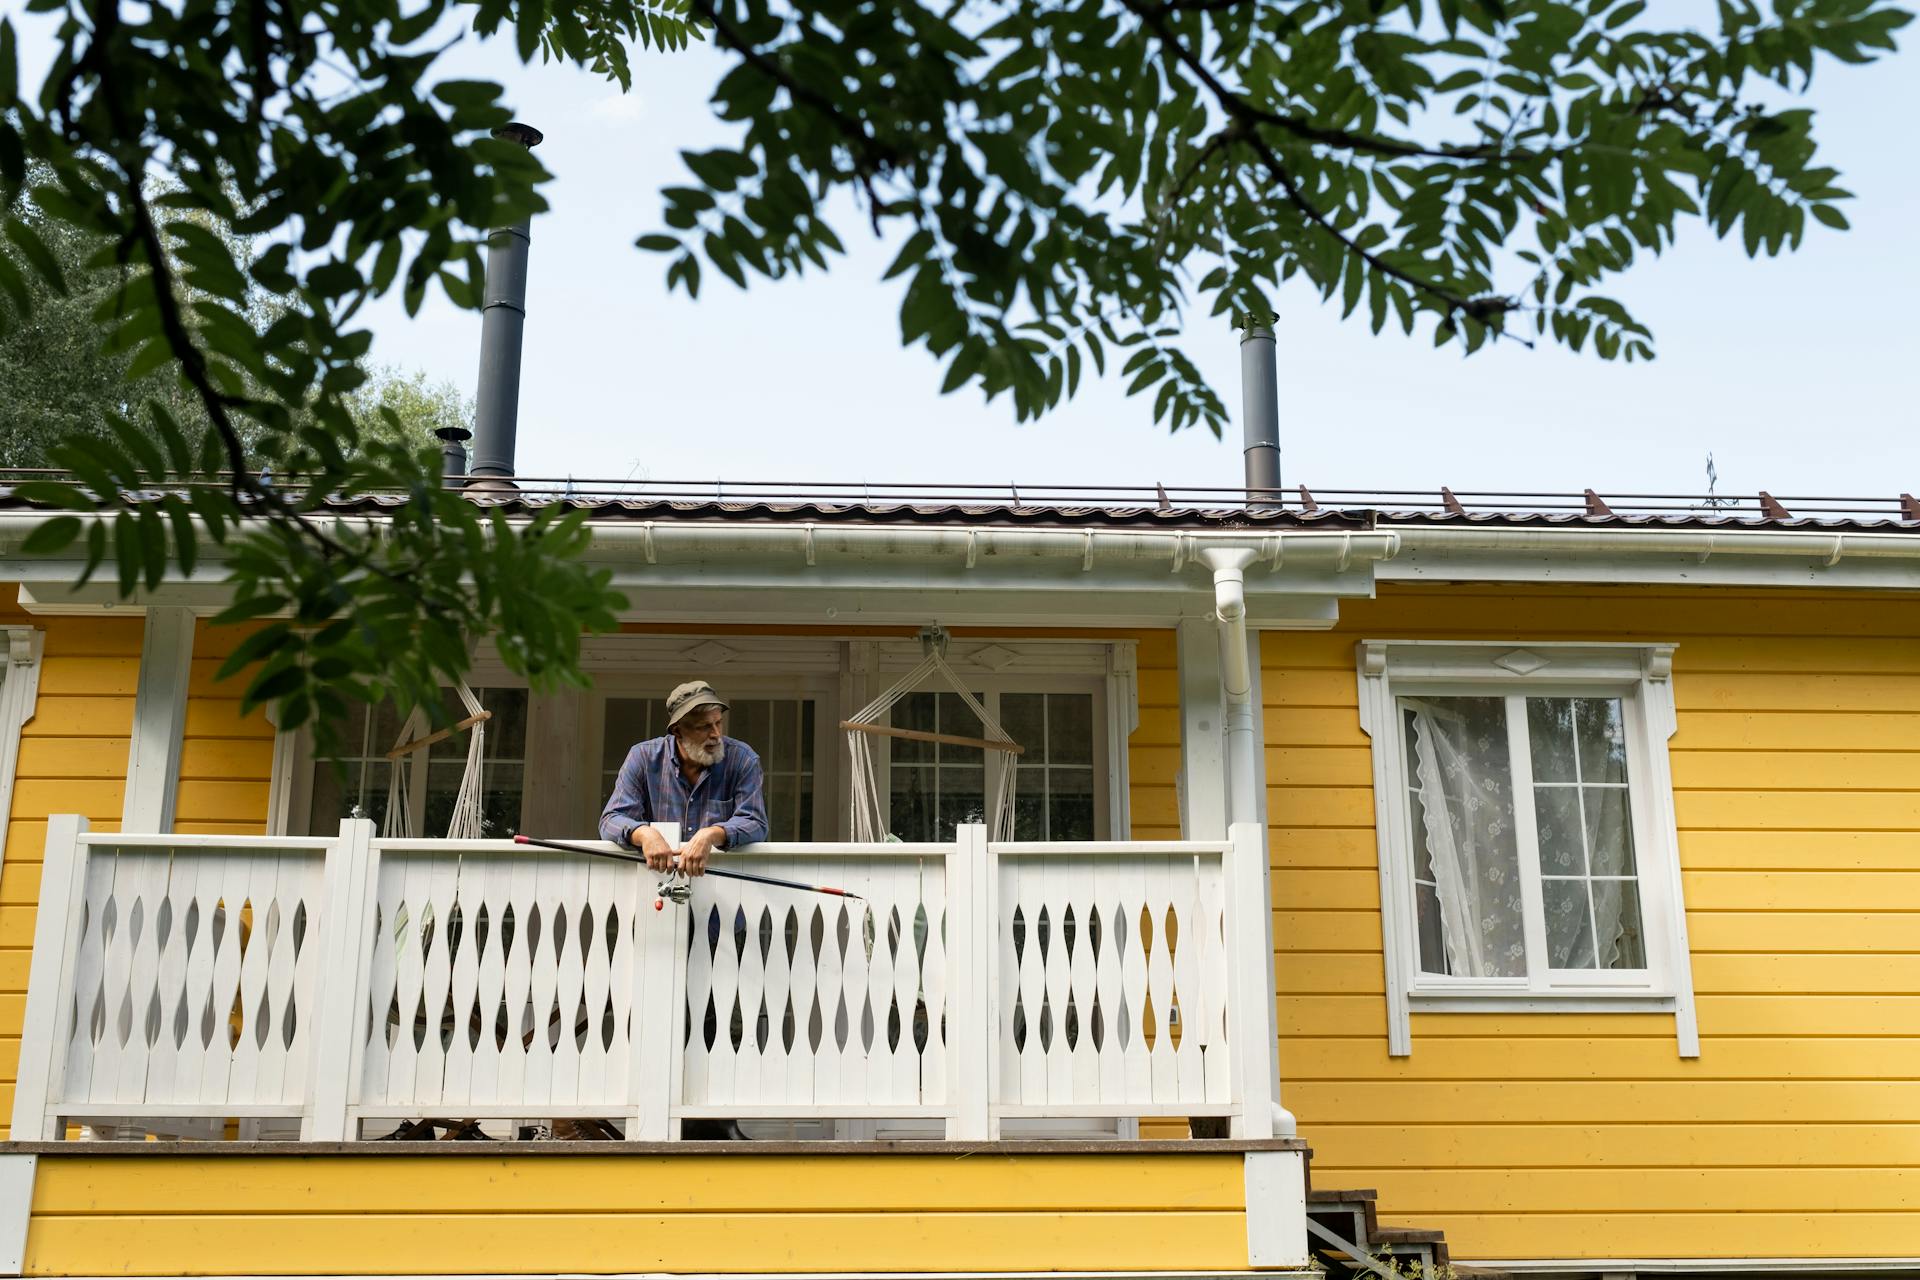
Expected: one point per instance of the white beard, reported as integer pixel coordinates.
(704, 756)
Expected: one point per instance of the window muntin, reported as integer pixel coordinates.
(358, 783)
(780, 731)
(1514, 801)
(1053, 785)
(935, 786)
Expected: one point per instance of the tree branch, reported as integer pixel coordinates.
(871, 157)
(1479, 309)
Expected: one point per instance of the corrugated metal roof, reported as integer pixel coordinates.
(1163, 507)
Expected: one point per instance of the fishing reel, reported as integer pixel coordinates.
(677, 888)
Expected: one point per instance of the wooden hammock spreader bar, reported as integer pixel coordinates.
(457, 727)
(921, 735)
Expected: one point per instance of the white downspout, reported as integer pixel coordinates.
(1229, 567)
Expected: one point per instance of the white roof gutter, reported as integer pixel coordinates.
(1802, 543)
(980, 544)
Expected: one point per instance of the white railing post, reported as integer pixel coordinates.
(351, 870)
(660, 992)
(1251, 998)
(970, 1014)
(43, 1030)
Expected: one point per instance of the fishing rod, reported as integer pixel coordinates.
(677, 886)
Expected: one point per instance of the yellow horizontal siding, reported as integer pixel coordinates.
(448, 1215)
(1797, 793)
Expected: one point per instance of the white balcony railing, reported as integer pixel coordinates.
(332, 986)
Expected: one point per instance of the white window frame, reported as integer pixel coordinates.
(1641, 676)
(990, 689)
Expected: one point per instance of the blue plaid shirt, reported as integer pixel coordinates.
(652, 788)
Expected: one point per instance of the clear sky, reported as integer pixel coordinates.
(1799, 374)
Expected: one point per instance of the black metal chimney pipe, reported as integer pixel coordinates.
(453, 452)
(503, 320)
(1260, 411)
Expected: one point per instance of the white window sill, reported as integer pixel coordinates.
(1588, 1001)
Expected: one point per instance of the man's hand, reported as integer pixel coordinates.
(654, 845)
(693, 854)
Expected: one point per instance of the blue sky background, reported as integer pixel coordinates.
(1798, 373)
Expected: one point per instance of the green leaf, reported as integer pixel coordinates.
(255, 647)
(51, 536)
(1830, 216)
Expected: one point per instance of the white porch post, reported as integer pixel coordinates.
(49, 975)
(972, 934)
(660, 997)
(1203, 737)
(352, 871)
(159, 721)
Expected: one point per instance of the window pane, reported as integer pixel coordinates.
(958, 718)
(962, 798)
(1029, 812)
(1602, 733)
(1569, 928)
(782, 797)
(1616, 908)
(1070, 816)
(1023, 716)
(499, 799)
(911, 803)
(783, 729)
(336, 794)
(1433, 952)
(1609, 831)
(1463, 769)
(1556, 814)
(915, 711)
(1070, 728)
(1550, 738)
(628, 721)
(749, 721)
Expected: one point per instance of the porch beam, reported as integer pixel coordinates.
(159, 721)
(1203, 737)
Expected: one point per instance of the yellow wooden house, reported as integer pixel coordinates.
(1528, 886)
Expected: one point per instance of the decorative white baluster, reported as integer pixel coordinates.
(460, 941)
(1081, 985)
(928, 980)
(517, 975)
(1108, 981)
(750, 1064)
(1210, 1026)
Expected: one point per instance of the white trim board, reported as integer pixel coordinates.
(19, 695)
(16, 1209)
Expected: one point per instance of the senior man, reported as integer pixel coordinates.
(694, 775)
(710, 784)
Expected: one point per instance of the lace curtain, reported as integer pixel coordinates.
(1466, 802)
(1465, 824)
